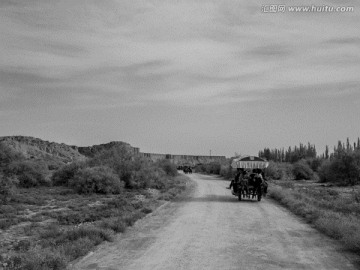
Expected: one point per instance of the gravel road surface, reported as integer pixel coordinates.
(211, 229)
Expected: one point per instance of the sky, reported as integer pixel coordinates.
(181, 76)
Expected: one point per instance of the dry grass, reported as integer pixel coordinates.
(46, 228)
(332, 210)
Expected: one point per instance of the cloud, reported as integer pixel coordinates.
(22, 77)
(344, 89)
(60, 48)
(343, 41)
(272, 50)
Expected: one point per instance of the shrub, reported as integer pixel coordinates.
(100, 179)
(273, 171)
(135, 171)
(51, 231)
(314, 163)
(7, 223)
(302, 170)
(78, 247)
(149, 177)
(62, 176)
(344, 169)
(22, 245)
(37, 258)
(97, 235)
(29, 173)
(279, 171)
(7, 188)
(214, 168)
(200, 168)
(8, 155)
(324, 172)
(115, 224)
(286, 184)
(121, 160)
(168, 167)
(227, 171)
(210, 168)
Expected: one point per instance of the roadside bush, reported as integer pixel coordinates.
(324, 172)
(8, 155)
(168, 167)
(115, 224)
(314, 163)
(210, 168)
(149, 177)
(7, 188)
(135, 171)
(226, 171)
(62, 176)
(279, 171)
(97, 235)
(29, 173)
(121, 160)
(37, 258)
(214, 168)
(100, 179)
(348, 166)
(273, 171)
(344, 169)
(302, 170)
(201, 168)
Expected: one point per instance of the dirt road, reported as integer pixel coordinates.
(212, 230)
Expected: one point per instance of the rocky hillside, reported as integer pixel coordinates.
(89, 151)
(37, 149)
(52, 152)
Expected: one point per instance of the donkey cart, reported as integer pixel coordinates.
(249, 181)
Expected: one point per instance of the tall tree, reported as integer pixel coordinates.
(348, 146)
(327, 152)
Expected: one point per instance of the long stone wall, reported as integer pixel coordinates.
(176, 159)
(179, 160)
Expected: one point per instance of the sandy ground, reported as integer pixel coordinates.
(211, 229)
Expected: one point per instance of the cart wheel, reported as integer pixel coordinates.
(259, 197)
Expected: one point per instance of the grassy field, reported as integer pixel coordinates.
(333, 210)
(47, 227)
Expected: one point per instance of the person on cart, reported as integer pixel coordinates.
(244, 182)
(234, 183)
(261, 179)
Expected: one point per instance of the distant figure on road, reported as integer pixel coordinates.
(187, 170)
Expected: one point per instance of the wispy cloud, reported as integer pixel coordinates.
(271, 50)
(344, 41)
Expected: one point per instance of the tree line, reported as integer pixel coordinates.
(341, 166)
(296, 153)
(291, 155)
